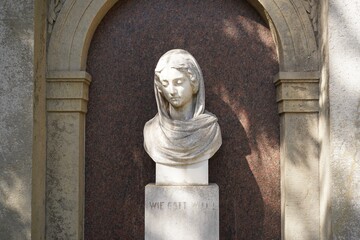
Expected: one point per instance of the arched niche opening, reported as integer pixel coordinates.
(67, 98)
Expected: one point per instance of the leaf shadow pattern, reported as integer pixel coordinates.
(13, 222)
(241, 204)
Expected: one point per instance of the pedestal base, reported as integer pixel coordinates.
(181, 212)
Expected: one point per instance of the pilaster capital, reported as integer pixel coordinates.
(297, 92)
(67, 91)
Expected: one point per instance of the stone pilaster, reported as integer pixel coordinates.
(298, 104)
(67, 96)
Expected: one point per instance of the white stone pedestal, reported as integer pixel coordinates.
(181, 212)
(190, 174)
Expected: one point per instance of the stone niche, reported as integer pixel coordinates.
(237, 54)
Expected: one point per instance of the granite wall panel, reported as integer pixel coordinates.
(236, 52)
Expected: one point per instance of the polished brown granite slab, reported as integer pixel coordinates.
(236, 52)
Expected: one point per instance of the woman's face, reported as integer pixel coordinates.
(176, 87)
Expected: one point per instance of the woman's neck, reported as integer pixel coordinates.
(185, 112)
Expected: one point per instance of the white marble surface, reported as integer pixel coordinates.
(181, 212)
(194, 174)
(183, 135)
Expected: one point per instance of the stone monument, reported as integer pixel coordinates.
(180, 139)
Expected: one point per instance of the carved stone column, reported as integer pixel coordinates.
(298, 104)
(67, 96)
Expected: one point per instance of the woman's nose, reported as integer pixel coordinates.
(172, 90)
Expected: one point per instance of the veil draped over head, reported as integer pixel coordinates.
(177, 142)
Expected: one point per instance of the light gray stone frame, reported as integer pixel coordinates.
(297, 95)
(298, 106)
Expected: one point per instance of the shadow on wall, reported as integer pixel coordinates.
(237, 55)
(14, 225)
(241, 204)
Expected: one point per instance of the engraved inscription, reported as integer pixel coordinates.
(157, 205)
(182, 205)
(176, 205)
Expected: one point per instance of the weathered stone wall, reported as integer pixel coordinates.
(16, 117)
(344, 65)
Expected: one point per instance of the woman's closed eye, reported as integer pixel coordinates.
(165, 83)
(179, 81)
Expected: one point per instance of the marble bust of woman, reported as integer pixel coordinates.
(183, 135)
